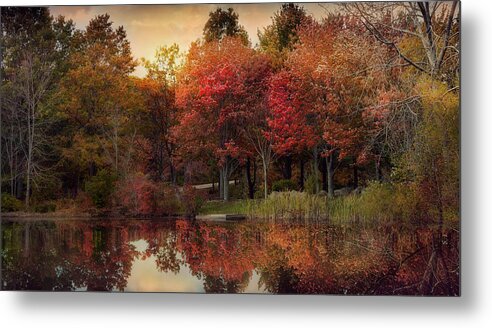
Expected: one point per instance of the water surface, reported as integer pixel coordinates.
(166, 255)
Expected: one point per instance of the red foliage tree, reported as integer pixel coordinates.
(218, 93)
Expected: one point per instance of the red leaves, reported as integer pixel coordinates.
(221, 86)
(291, 131)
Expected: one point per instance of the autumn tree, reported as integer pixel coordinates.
(98, 98)
(290, 123)
(35, 48)
(432, 25)
(426, 42)
(278, 38)
(159, 114)
(223, 23)
(216, 95)
(257, 140)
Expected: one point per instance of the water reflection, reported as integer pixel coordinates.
(184, 256)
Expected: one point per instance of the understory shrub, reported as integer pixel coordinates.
(140, 196)
(284, 185)
(100, 188)
(10, 203)
(192, 200)
(387, 201)
(44, 207)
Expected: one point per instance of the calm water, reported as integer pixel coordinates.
(184, 256)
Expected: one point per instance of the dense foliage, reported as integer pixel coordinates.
(365, 99)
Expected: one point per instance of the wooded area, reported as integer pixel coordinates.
(364, 101)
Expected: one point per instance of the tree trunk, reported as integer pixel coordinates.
(301, 175)
(116, 151)
(28, 182)
(221, 183)
(324, 174)
(251, 178)
(379, 175)
(315, 168)
(331, 173)
(356, 177)
(225, 176)
(265, 178)
(30, 146)
(287, 167)
(92, 169)
(172, 171)
(19, 188)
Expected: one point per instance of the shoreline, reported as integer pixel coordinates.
(55, 216)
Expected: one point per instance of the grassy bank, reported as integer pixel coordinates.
(232, 207)
(377, 203)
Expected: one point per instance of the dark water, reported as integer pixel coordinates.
(181, 256)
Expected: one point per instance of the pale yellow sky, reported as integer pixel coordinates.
(151, 26)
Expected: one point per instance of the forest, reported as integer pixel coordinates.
(355, 115)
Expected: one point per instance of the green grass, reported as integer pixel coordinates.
(378, 203)
(221, 207)
(290, 205)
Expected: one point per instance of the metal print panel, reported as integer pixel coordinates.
(308, 148)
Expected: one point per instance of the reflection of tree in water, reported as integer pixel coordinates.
(371, 260)
(110, 263)
(220, 254)
(98, 255)
(217, 284)
(68, 256)
(161, 240)
(275, 275)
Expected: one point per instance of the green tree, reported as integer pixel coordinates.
(222, 23)
(35, 50)
(278, 38)
(159, 115)
(99, 99)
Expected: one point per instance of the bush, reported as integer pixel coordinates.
(284, 185)
(46, 189)
(388, 201)
(44, 207)
(138, 195)
(100, 188)
(10, 203)
(192, 200)
(83, 201)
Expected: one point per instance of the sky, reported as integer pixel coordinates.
(151, 26)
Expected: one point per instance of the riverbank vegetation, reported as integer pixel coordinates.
(351, 117)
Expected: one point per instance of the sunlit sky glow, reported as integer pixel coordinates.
(151, 26)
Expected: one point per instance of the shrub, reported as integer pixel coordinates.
(139, 195)
(10, 203)
(192, 200)
(100, 188)
(387, 201)
(377, 200)
(44, 207)
(83, 201)
(45, 189)
(284, 185)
